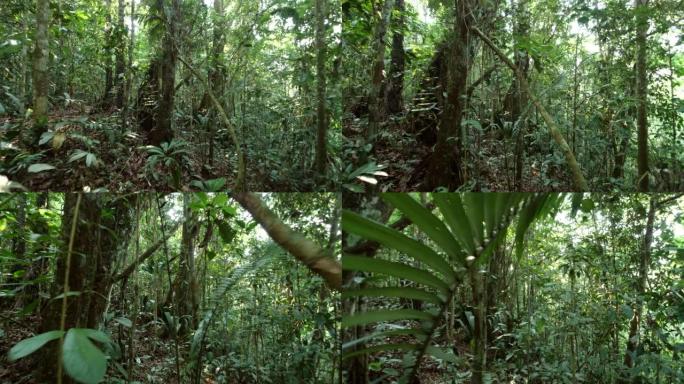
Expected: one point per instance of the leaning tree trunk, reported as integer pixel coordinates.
(395, 87)
(321, 115)
(40, 71)
(642, 93)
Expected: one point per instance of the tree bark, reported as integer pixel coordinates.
(306, 251)
(376, 103)
(40, 71)
(109, 74)
(641, 8)
(321, 113)
(186, 295)
(395, 87)
(444, 167)
(98, 240)
(163, 131)
(120, 69)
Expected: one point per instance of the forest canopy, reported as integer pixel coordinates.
(524, 288)
(179, 288)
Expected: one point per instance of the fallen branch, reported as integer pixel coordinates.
(145, 255)
(577, 177)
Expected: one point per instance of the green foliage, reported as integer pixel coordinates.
(32, 344)
(473, 225)
(82, 360)
(173, 156)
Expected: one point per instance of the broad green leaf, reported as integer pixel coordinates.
(391, 238)
(474, 207)
(384, 315)
(32, 344)
(403, 292)
(432, 226)
(442, 354)
(40, 167)
(391, 268)
(451, 207)
(83, 361)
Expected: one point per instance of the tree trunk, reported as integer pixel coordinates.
(186, 295)
(109, 75)
(163, 131)
(644, 260)
(322, 118)
(445, 163)
(642, 93)
(40, 71)
(479, 363)
(98, 239)
(120, 71)
(395, 87)
(216, 73)
(516, 99)
(376, 100)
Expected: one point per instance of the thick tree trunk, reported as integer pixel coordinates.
(321, 113)
(163, 131)
(642, 93)
(40, 71)
(376, 105)
(395, 87)
(444, 167)
(98, 239)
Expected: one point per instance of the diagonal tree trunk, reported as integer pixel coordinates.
(306, 251)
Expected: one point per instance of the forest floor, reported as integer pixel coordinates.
(489, 165)
(121, 160)
(154, 356)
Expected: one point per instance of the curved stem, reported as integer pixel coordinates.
(62, 320)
